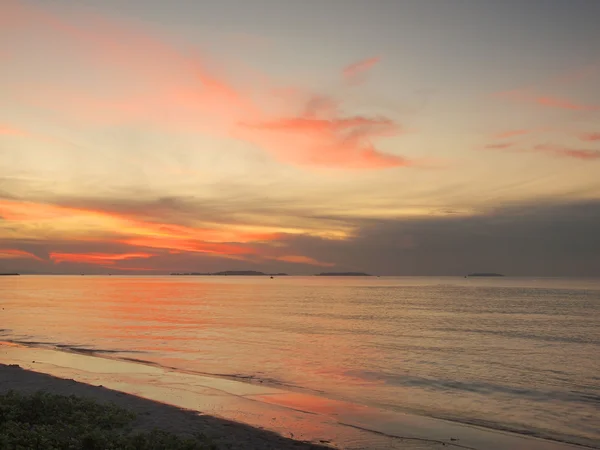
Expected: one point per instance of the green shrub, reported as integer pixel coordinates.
(45, 421)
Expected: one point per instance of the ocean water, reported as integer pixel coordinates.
(515, 354)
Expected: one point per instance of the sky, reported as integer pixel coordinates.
(394, 137)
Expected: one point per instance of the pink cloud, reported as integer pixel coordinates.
(355, 71)
(524, 96)
(173, 89)
(590, 137)
(550, 149)
(10, 131)
(333, 142)
(555, 102)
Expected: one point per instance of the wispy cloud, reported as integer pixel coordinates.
(582, 154)
(589, 137)
(355, 72)
(10, 253)
(500, 146)
(548, 101)
(303, 260)
(11, 131)
(102, 259)
(555, 102)
(192, 246)
(512, 133)
(327, 142)
(138, 233)
(549, 149)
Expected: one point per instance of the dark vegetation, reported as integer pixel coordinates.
(51, 422)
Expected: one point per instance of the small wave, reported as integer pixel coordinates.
(116, 354)
(259, 379)
(521, 335)
(76, 348)
(487, 388)
(510, 428)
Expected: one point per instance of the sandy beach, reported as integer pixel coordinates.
(151, 414)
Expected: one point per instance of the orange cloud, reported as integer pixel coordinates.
(8, 253)
(173, 89)
(298, 259)
(95, 227)
(130, 224)
(523, 96)
(353, 72)
(499, 146)
(97, 258)
(10, 131)
(133, 231)
(564, 104)
(589, 137)
(189, 245)
(137, 269)
(18, 210)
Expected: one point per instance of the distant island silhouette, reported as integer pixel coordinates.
(485, 274)
(9, 274)
(343, 274)
(235, 273)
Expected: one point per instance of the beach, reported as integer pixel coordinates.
(151, 414)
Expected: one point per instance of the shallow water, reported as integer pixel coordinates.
(505, 353)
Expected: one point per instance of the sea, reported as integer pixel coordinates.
(513, 354)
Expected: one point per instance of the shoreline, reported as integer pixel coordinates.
(300, 416)
(151, 414)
